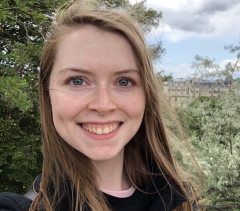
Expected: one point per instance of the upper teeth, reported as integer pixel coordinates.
(100, 129)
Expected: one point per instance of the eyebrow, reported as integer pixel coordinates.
(77, 70)
(119, 72)
(80, 70)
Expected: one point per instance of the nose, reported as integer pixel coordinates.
(102, 101)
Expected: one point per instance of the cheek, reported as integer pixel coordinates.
(135, 105)
(63, 105)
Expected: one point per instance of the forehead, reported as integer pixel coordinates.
(88, 35)
(88, 45)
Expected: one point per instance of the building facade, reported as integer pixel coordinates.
(183, 90)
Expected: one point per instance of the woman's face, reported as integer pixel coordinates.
(96, 92)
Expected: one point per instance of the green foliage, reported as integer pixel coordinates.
(22, 24)
(217, 149)
(157, 51)
(214, 125)
(115, 3)
(15, 96)
(163, 77)
(193, 119)
(147, 17)
(21, 42)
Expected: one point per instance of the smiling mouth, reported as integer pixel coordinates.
(101, 129)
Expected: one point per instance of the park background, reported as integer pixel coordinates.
(212, 124)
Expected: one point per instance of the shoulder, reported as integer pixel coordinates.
(14, 202)
(166, 193)
(168, 197)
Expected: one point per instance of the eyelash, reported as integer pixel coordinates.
(70, 78)
(127, 78)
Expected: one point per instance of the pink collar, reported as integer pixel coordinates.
(120, 194)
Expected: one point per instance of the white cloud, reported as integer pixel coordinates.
(209, 20)
(227, 21)
(197, 18)
(173, 34)
(226, 61)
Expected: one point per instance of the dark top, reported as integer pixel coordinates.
(14, 202)
(169, 199)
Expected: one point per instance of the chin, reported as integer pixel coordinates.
(101, 158)
(106, 156)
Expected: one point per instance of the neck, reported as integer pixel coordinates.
(111, 175)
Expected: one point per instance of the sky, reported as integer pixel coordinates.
(191, 27)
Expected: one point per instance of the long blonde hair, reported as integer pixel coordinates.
(65, 170)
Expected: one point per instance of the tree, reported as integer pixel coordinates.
(21, 23)
(22, 26)
(207, 68)
(217, 141)
(217, 149)
(163, 77)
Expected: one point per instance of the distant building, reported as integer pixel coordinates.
(182, 90)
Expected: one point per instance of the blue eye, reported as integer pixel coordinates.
(77, 81)
(123, 82)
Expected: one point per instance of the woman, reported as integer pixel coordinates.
(104, 140)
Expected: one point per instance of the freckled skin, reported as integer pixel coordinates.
(101, 98)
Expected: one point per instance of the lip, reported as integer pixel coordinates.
(100, 123)
(100, 137)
